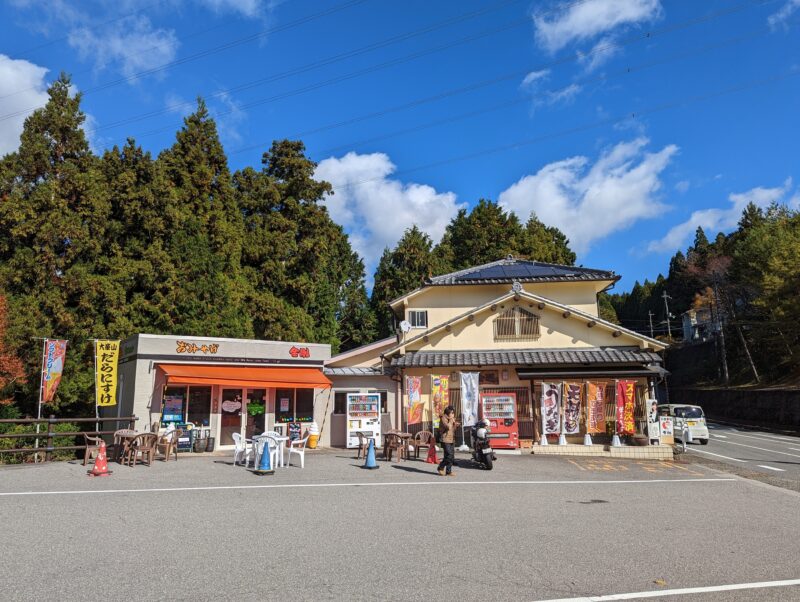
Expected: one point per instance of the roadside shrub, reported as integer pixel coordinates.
(22, 457)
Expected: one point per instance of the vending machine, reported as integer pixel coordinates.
(363, 415)
(501, 411)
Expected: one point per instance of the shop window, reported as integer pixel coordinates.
(384, 401)
(199, 412)
(516, 324)
(173, 404)
(294, 405)
(418, 318)
(340, 401)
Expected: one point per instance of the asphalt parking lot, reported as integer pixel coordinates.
(535, 528)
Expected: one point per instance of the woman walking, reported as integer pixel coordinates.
(447, 430)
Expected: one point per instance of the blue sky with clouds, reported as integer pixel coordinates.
(626, 123)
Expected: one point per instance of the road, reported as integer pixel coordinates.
(535, 528)
(751, 449)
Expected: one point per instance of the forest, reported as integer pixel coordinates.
(747, 282)
(110, 245)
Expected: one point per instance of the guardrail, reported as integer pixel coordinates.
(49, 434)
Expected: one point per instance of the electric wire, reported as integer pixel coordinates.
(572, 57)
(587, 127)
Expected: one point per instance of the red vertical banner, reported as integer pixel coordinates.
(625, 403)
(55, 352)
(595, 408)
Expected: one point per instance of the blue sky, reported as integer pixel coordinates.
(626, 123)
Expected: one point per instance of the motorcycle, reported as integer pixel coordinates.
(482, 452)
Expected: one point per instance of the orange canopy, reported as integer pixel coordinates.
(245, 376)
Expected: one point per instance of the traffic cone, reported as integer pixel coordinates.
(265, 465)
(100, 468)
(431, 459)
(370, 461)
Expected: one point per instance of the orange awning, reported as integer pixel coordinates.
(245, 376)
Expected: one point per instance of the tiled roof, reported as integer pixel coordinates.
(592, 356)
(509, 269)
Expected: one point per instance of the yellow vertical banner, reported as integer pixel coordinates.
(440, 396)
(106, 355)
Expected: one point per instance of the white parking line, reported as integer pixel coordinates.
(795, 448)
(680, 592)
(764, 437)
(770, 468)
(720, 436)
(700, 451)
(367, 484)
(772, 451)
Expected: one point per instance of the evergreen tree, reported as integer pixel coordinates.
(400, 271)
(547, 244)
(53, 222)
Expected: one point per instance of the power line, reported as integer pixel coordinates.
(318, 64)
(205, 53)
(599, 49)
(586, 127)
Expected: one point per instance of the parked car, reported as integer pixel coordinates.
(692, 416)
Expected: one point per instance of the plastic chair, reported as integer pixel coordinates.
(168, 444)
(241, 450)
(298, 446)
(422, 439)
(258, 450)
(92, 447)
(144, 445)
(363, 444)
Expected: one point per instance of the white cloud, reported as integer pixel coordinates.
(682, 186)
(130, 45)
(22, 85)
(601, 53)
(718, 219)
(779, 18)
(590, 202)
(376, 209)
(533, 77)
(246, 8)
(228, 114)
(563, 95)
(582, 21)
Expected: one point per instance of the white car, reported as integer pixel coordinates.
(692, 416)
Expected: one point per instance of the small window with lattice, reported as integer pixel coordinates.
(516, 324)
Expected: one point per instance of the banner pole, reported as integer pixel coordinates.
(39, 405)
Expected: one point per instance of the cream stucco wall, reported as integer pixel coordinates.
(556, 332)
(369, 358)
(446, 302)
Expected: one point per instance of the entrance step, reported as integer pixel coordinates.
(634, 452)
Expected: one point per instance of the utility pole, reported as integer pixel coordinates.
(721, 334)
(666, 306)
(650, 314)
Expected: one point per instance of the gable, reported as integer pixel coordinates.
(557, 329)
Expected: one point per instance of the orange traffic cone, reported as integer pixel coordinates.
(431, 459)
(100, 468)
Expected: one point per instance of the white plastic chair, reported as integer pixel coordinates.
(298, 446)
(258, 450)
(241, 450)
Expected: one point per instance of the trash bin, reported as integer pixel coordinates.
(210, 444)
(313, 435)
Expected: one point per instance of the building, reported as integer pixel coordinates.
(211, 383)
(698, 325)
(518, 323)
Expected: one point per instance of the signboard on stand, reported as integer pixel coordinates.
(667, 433)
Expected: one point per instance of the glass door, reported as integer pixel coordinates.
(230, 415)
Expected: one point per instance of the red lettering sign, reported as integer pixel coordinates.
(300, 351)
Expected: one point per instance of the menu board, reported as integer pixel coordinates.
(294, 431)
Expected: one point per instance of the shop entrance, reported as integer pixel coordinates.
(230, 415)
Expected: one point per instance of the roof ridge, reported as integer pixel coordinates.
(469, 270)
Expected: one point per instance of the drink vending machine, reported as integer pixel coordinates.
(501, 411)
(363, 415)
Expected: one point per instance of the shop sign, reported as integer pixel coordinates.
(187, 347)
(653, 431)
(106, 356)
(300, 351)
(667, 433)
(284, 404)
(231, 406)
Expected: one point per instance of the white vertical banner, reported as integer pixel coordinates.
(551, 408)
(469, 398)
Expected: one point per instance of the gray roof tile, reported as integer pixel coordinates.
(509, 269)
(528, 357)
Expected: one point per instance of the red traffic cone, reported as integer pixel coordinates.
(100, 468)
(431, 459)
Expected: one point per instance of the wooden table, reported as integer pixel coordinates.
(402, 444)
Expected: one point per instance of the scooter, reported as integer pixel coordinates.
(482, 452)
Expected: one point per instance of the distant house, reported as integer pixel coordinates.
(698, 325)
